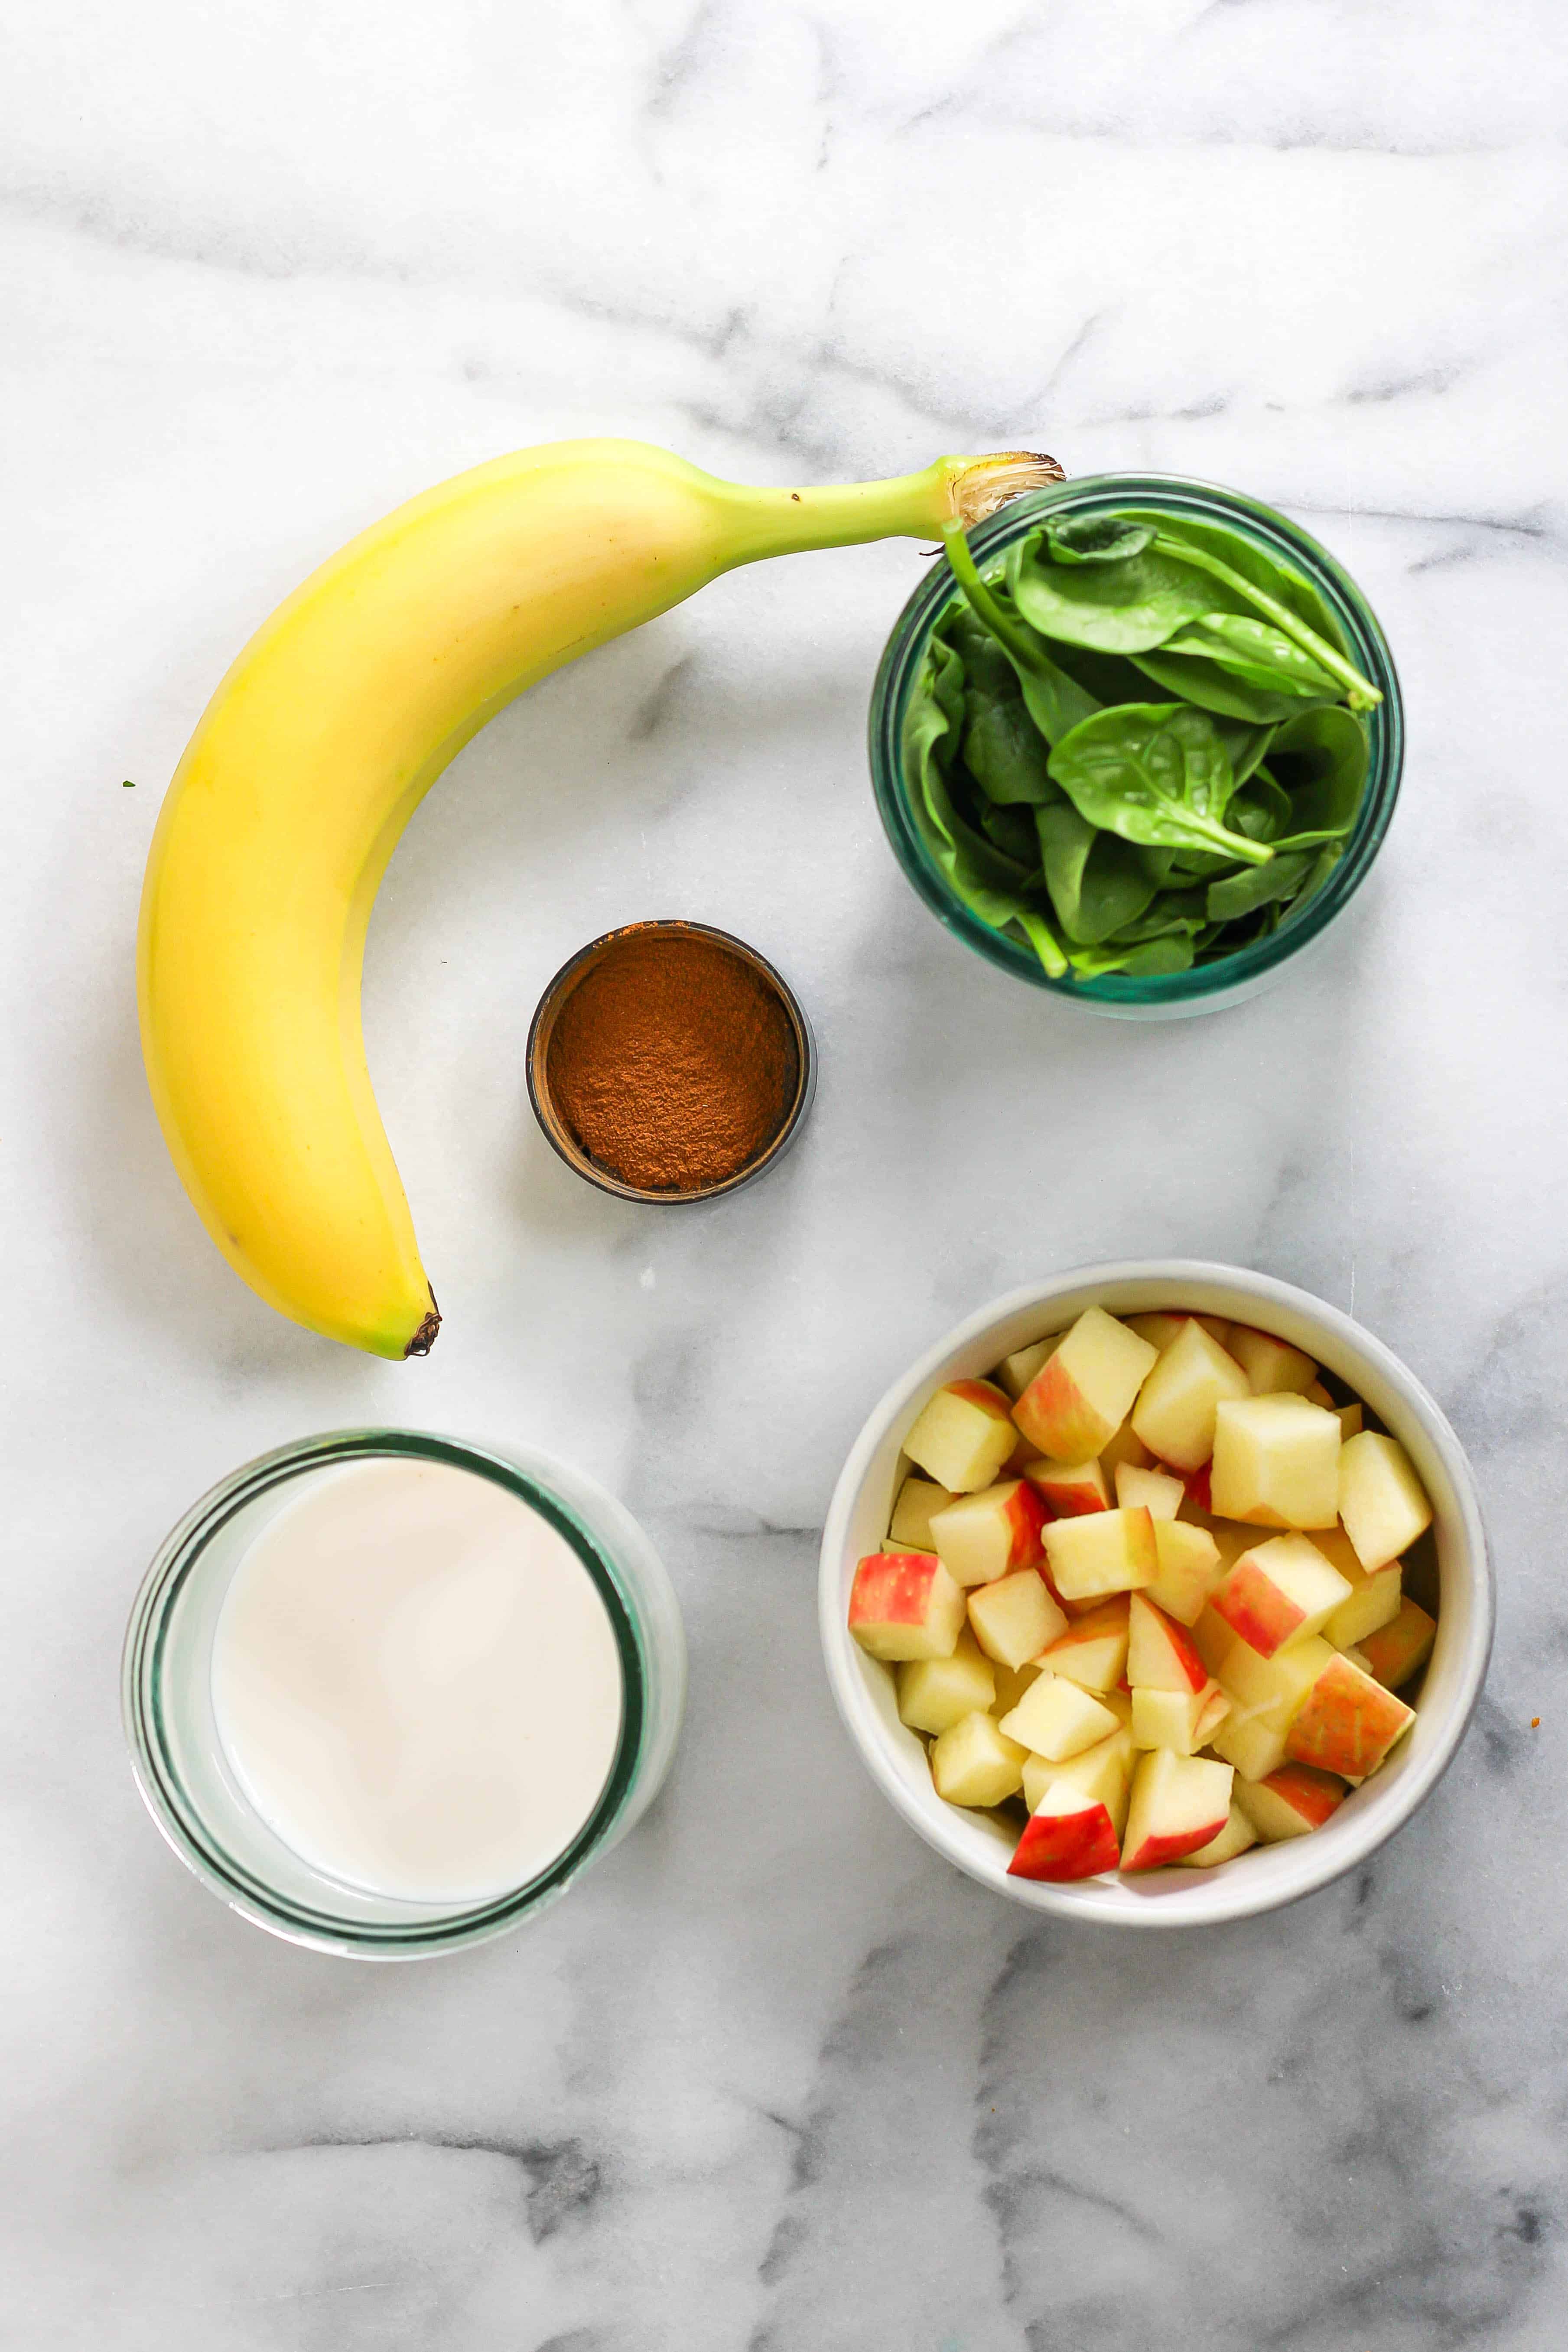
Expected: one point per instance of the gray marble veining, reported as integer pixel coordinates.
(773, 2077)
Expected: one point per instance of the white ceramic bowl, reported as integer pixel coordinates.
(1268, 1876)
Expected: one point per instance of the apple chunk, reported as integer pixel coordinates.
(1382, 1501)
(1093, 1650)
(1179, 1803)
(1276, 1463)
(1161, 1654)
(904, 1604)
(1279, 1593)
(962, 1436)
(1069, 1489)
(974, 1763)
(1394, 1653)
(1101, 1552)
(1084, 1390)
(1290, 1802)
(1187, 1566)
(990, 1534)
(1056, 1718)
(1155, 1491)
(1015, 1618)
(1014, 1372)
(909, 1526)
(1104, 1770)
(1267, 1694)
(934, 1693)
(1174, 1414)
(1068, 1835)
(1272, 1367)
(1374, 1602)
(1235, 1837)
(1348, 1723)
(1183, 1721)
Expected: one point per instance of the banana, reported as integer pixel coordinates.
(311, 758)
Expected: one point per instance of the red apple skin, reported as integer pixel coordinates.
(1155, 1852)
(892, 1588)
(1255, 1610)
(1026, 1514)
(1196, 1483)
(1348, 1724)
(1066, 1845)
(1063, 1498)
(1312, 1794)
(982, 1393)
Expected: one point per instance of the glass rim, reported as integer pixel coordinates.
(1177, 493)
(430, 1928)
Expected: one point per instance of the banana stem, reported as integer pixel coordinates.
(962, 490)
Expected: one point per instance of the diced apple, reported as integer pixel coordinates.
(1069, 1835)
(1374, 1602)
(1011, 1682)
(1179, 1803)
(1254, 1744)
(1069, 1489)
(974, 1763)
(1348, 1723)
(1174, 1414)
(1056, 1718)
(1102, 1552)
(1276, 1463)
(1155, 1491)
(1125, 1447)
(1278, 1593)
(963, 1435)
(1267, 1694)
(1235, 1838)
(1093, 1650)
(1382, 1501)
(1015, 1618)
(1159, 1330)
(1103, 1771)
(1084, 1390)
(1161, 1654)
(904, 1604)
(1292, 1802)
(934, 1693)
(1177, 1720)
(1187, 1569)
(1398, 1648)
(909, 1526)
(1014, 1372)
(983, 1536)
(1272, 1368)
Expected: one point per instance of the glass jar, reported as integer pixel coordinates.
(1206, 987)
(184, 1775)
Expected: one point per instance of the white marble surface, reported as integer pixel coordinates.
(773, 2077)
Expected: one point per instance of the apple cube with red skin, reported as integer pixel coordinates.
(1069, 1489)
(1093, 1650)
(962, 1436)
(1235, 1837)
(1276, 1463)
(934, 1693)
(1290, 1802)
(1099, 1553)
(1161, 1654)
(1183, 1721)
(974, 1763)
(1266, 1695)
(1187, 1569)
(1382, 1501)
(1174, 1414)
(1056, 1718)
(983, 1536)
(909, 1526)
(904, 1604)
(1179, 1803)
(1273, 1367)
(1014, 1372)
(1279, 1593)
(1155, 1491)
(1069, 1835)
(1394, 1652)
(1348, 1723)
(1085, 1389)
(1015, 1618)
(1104, 1770)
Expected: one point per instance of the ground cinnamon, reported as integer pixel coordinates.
(673, 1062)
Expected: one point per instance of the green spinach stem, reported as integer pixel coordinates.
(1363, 693)
(1010, 636)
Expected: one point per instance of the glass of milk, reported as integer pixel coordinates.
(388, 1693)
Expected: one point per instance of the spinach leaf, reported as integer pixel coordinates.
(1154, 773)
(1004, 750)
(1120, 607)
(1096, 882)
(1257, 654)
(1260, 809)
(1361, 692)
(1256, 565)
(1096, 539)
(1212, 688)
(1156, 956)
(1243, 894)
(1319, 759)
(1053, 701)
(1012, 830)
(1110, 678)
(1243, 746)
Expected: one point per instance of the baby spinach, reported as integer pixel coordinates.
(1117, 834)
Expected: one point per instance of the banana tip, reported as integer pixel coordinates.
(423, 1339)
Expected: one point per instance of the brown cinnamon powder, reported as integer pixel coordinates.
(673, 1062)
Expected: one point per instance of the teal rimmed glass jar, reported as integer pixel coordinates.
(1207, 987)
(189, 1785)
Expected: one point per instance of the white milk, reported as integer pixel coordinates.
(416, 1682)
